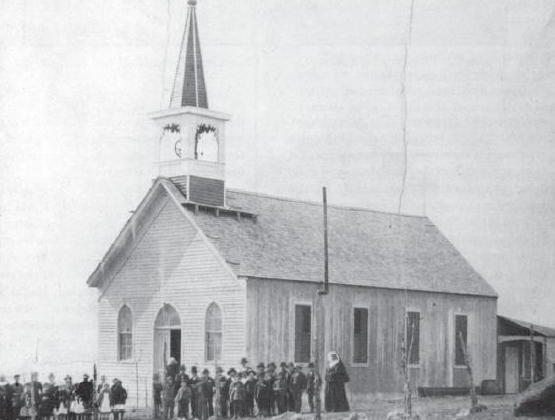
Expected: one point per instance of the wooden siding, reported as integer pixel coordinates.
(181, 183)
(171, 263)
(206, 190)
(269, 331)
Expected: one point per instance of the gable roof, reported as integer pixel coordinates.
(366, 248)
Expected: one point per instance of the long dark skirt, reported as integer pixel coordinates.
(336, 398)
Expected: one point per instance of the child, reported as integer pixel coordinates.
(118, 397)
(157, 394)
(205, 395)
(250, 385)
(103, 402)
(183, 399)
(236, 395)
(27, 411)
(168, 397)
(280, 390)
(262, 392)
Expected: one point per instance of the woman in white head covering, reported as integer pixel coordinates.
(336, 377)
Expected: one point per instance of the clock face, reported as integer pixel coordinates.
(172, 145)
(179, 148)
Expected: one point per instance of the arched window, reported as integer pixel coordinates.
(125, 335)
(213, 333)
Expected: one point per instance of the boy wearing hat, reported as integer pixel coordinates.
(250, 385)
(236, 395)
(280, 389)
(183, 399)
(313, 382)
(244, 366)
(205, 395)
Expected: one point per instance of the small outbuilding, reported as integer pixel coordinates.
(526, 354)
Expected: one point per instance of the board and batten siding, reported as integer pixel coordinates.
(270, 331)
(170, 263)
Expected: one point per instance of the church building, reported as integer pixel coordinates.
(208, 274)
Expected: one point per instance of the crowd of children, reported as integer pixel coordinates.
(240, 393)
(67, 401)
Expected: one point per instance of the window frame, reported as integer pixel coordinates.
(130, 359)
(206, 332)
(367, 363)
(419, 312)
(455, 315)
(293, 312)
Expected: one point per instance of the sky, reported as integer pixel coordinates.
(316, 93)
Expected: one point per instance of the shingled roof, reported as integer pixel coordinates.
(366, 248)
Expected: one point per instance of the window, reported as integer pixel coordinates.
(461, 330)
(302, 333)
(360, 335)
(413, 337)
(125, 327)
(213, 333)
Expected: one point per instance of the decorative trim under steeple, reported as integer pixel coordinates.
(189, 88)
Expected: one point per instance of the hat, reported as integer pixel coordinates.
(283, 364)
(260, 365)
(194, 369)
(17, 375)
(310, 365)
(244, 360)
(65, 379)
(231, 371)
(85, 375)
(205, 371)
(272, 364)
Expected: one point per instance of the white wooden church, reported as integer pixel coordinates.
(208, 274)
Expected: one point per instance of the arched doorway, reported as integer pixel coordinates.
(167, 337)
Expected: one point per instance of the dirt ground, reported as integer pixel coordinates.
(439, 408)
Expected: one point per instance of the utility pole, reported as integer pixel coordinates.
(319, 313)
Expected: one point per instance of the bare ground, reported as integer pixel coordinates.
(437, 408)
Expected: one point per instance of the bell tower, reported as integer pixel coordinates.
(191, 146)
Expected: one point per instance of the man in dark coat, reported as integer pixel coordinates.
(14, 393)
(313, 383)
(193, 382)
(205, 395)
(4, 398)
(297, 385)
(84, 391)
(223, 388)
(336, 377)
(280, 389)
(262, 392)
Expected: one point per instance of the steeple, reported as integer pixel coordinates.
(191, 145)
(189, 88)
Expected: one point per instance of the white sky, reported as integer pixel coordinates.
(314, 90)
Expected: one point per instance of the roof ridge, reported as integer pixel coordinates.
(336, 206)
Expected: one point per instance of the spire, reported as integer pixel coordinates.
(188, 86)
